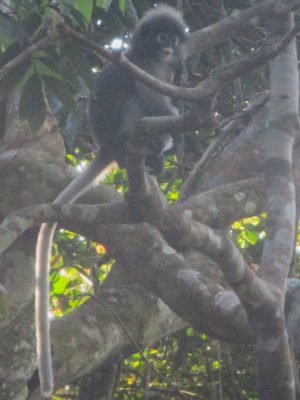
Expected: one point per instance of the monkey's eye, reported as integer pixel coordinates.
(174, 40)
(161, 37)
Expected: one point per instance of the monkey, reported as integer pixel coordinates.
(118, 103)
(155, 48)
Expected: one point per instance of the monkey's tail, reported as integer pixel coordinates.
(43, 252)
(83, 182)
(44, 361)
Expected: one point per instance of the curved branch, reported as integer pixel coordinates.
(224, 29)
(205, 89)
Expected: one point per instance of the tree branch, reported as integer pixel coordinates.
(236, 23)
(14, 225)
(225, 131)
(25, 55)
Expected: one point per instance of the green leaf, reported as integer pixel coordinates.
(61, 91)
(136, 356)
(13, 78)
(247, 238)
(32, 106)
(78, 60)
(105, 4)
(59, 67)
(44, 69)
(59, 286)
(32, 23)
(122, 5)
(10, 28)
(10, 52)
(250, 236)
(85, 7)
(72, 14)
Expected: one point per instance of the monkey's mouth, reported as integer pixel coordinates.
(167, 51)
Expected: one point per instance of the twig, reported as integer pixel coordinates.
(221, 141)
(25, 55)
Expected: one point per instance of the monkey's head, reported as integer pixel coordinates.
(159, 33)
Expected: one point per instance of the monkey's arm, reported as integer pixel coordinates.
(154, 104)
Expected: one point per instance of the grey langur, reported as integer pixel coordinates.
(118, 104)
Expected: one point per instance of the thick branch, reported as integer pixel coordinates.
(282, 125)
(221, 206)
(16, 224)
(181, 232)
(268, 319)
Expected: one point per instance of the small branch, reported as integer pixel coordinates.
(182, 123)
(229, 72)
(222, 30)
(225, 133)
(25, 55)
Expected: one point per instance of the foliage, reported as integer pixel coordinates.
(199, 367)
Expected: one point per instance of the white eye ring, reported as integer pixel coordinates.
(161, 37)
(175, 40)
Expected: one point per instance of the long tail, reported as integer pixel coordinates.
(43, 252)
